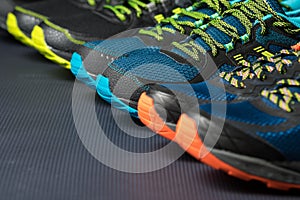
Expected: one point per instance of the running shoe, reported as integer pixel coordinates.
(21, 21)
(162, 105)
(92, 59)
(59, 39)
(216, 47)
(255, 139)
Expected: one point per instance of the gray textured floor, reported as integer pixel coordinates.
(42, 157)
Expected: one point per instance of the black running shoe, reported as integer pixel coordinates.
(167, 102)
(59, 38)
(256, 139)
(249, 30)
(21, 21)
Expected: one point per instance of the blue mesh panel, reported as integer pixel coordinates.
(226, 68)
(275, 48)
(287, 142)
(207, 11)
(199, 41)
(151, 64)
(236, 23)
(218, 35)
(92, 44)
(275, 5)
(221, 36)
(246, 113)
(203, 91)
(273, 36)
(117, 47)
(252, 59)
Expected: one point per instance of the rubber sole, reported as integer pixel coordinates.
(101, 85)
(151, 118)
(187, 137)
(14, 29)
(79, 71)
(104, 92)
(39, 43)
(187, 132)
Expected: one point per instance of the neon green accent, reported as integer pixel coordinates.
(13, 29)
(245, 38)
(64, 31)
(260, 50)
(91, 2)
(267, 54)
(31, 13)
(119, 11)
(215, 16)
(190, 8)
(198, 23)
(159, 18)
(157, 35)
(46, 21)
(229, 47)
(177, 11)
(40, 44)
(257, 48)
(191, 49)
(136, 4)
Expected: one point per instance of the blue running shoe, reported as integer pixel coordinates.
(248, 31)
(162, 105)
(92, 59)
(259, 140)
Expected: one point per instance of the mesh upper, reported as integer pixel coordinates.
(152, 65)
(286, 141)
(236, 112)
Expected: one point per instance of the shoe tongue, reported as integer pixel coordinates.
(275, 5)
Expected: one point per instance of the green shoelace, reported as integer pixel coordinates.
(179, 25)
(121, 11)
(260, 68)
(245, 12)
(92, 2)
(282, 96)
